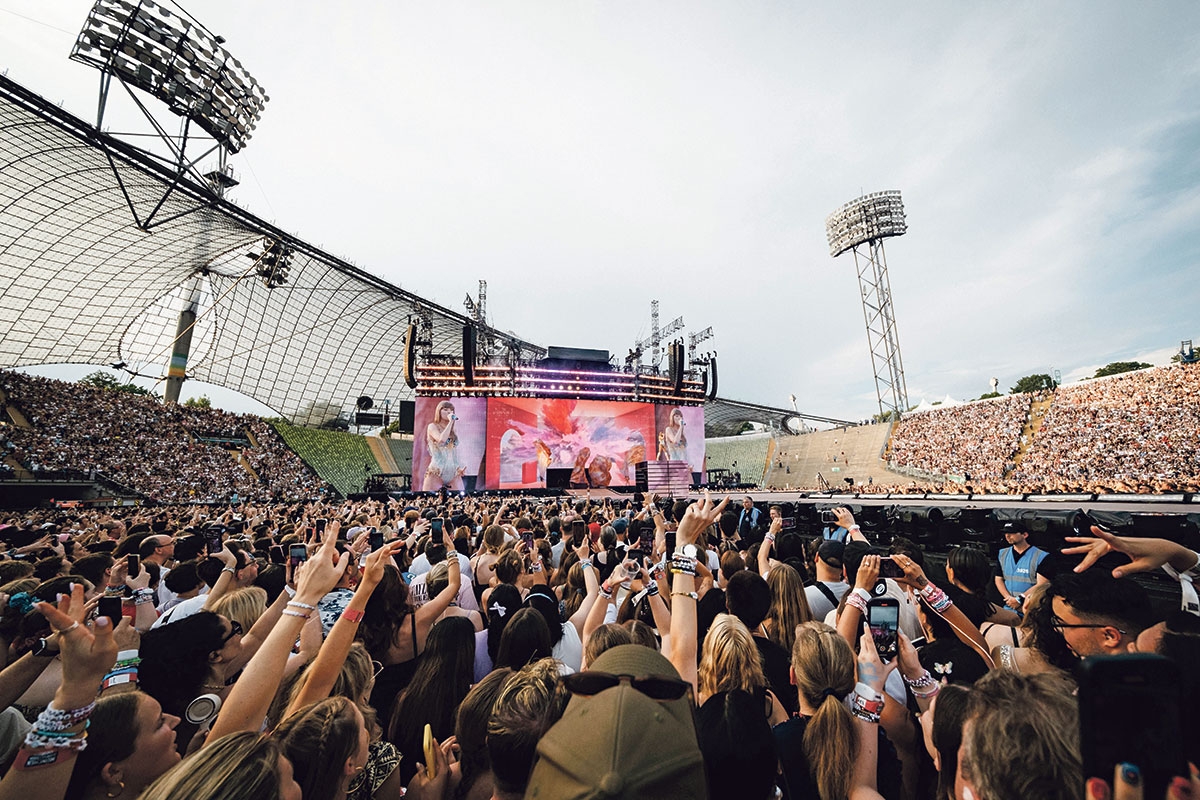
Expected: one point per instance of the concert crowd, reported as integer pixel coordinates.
(475, 647)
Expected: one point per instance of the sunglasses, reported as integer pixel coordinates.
(1059, 625)
(589, 683)
(235, 629)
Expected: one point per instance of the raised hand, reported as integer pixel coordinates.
(1144, 554)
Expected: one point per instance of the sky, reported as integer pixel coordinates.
(587, 158)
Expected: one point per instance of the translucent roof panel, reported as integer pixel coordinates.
(82, 282)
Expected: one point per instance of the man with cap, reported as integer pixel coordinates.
(824, 595)
(1018, 565)
(627, 732)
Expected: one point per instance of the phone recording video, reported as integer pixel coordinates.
(1131, 712)
(133, 565)
(320, 526)
(277, 556)
(828, 517)
(212, 542)
(297, 554)
(883, 617)
(375, 539)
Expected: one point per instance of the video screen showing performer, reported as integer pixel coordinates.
(680, 434)
(448, 447)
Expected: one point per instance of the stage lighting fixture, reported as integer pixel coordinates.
(868, 218)
(174, 58)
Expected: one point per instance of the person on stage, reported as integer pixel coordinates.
(444, 471)
(674, 438)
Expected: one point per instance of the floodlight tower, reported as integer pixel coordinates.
(861, 226)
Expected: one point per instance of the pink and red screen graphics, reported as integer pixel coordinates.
(510, 443)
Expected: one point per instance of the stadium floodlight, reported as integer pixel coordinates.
(861, 226)
(171, 56)
(871, 217)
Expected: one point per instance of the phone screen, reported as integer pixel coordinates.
(212, 542)
(297, 554)
(527, 538)
(375, 540)
(133, 565)
(320, 527)
(438, 524)
(277, 556)
(883, 615)
(1130, 712)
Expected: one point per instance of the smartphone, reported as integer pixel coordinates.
(828, 517)
(883, 616)
(374, 539)
(638, 556)
(527, 538)
(430, 755)
(320, 526)
(133, 565)
(670, 537)
(1129, 712)
(438, 524)
(110, 607)
(889, 568)
(212, 542)
(297, 554)
(277, 556)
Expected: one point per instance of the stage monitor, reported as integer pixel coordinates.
(558, 478)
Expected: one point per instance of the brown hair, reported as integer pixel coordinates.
(1021, 739)
(604, 638)
(789, 606)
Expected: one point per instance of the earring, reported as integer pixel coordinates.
(121, 785)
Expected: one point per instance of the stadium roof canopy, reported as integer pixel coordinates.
(724, 417)
(82, 281)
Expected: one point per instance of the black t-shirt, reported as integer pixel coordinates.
(952, 661)
(777, 663)
(710, 605)
(798, 782)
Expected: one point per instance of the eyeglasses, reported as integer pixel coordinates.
(1059, 625)
(589, 683)
(235, 629)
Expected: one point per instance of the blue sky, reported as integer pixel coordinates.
(586, 158)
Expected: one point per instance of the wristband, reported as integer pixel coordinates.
(652, 590)
(935, 597)
(692, 595)
(607, 595)
(352, 615)
(537, 567)
(305, 606)
(863, 593)
(53, 719)
(585, 564)
(230, 570)
(855, 527)
(34, 757)
(127, 655)
(682, 564)
(937, 687)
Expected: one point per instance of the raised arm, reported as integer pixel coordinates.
(323, 673)
(683, 586)
(941, 605)
(764, 550)
(846, 520)
(592, 585)
(1144, 554)
(250, 697)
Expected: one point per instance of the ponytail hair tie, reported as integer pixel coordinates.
(22, 602)
(829, 693)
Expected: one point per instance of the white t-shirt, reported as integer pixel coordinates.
(569, 649)
(420, 565)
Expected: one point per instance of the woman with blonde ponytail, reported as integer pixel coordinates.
(820, 749)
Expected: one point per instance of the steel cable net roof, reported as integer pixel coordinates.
(80, 282)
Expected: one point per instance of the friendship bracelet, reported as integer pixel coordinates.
(585, 563)
(652, 590)
(936, 598)
(681, 564)
(305, 606)
(865, 716)
(606, 595)
(53, 719)
(921, 682)
(301, 615)
(854, 600)
(937, 687)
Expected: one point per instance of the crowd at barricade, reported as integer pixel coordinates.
(148, 446)
(974, 440)
(469, 647)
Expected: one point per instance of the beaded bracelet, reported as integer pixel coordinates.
(606, 595)
(652, 590)
(865, 716)
(585, 563)
(692, 595)
(53, 719)
(936, 598)
(66, 740)
(143, 596)
(937, 687)
(681, 564)
(305, 606)
(301, 615)
(921, 682)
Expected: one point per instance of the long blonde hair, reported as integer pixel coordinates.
(789, 606)
(240, 766)
(729, 659)
(824, 667)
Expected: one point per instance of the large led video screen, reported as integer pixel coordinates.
(600, 441)
(469, 443)
(448, 443)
